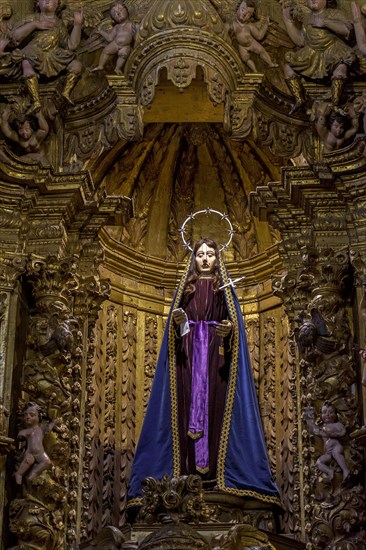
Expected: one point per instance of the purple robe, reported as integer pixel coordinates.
(204, 305)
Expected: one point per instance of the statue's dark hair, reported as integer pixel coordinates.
(193, 274)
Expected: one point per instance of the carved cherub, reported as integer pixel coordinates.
(249, 33)
(330, 431)
(27, 130)
(50, 48)
(320, 34)
(35, 458)
(119, 39)
(334, 128)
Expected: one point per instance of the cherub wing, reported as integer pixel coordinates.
(95, 41)
(226, 9)
(93, 14)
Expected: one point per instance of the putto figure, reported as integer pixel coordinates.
(322, 51)
(330, 431)
(50, 49)
(35, 458)
(203, 416)
(249, 32)
(26, 130)
(119, 39)
(334, 129)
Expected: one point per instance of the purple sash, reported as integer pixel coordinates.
(198, 414)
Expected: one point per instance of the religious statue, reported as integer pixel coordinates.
(330, 431)
(50, 49)
(334, 129)
(249, 33)
(29, 131)
(35, 458)
(323, 52)
(119, 39)
(203, 415)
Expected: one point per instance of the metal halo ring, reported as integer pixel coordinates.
(207, 211)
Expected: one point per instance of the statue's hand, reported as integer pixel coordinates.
(179, 316)
(224, 328)
(78, 17)
(44, 25)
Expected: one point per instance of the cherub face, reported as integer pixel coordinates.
(244, 13)
(328, 414)
(119, 13)
(206, 259)
(25, 130)
(337, 128)
(31, 417)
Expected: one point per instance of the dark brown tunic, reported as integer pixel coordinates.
(203, 305)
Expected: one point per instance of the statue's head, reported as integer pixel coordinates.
(245, 10)
(32, 414)
(329, 413)
(119, 12)
(206, 254)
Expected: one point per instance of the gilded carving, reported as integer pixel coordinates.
(49, 50)
(335, 130)
(119, 38)
(52, 381)
(252, 330)
(151, 350)
(26, 130)
(268, 405)
(181, 497)
(288, 463)
(320, 33)
(249, 32)
(182, 201)
(241, 536)
(181, 13)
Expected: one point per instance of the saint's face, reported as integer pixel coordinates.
(206, 259)
(317, 5)
(48, 6)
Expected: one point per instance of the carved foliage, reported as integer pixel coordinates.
(151, 351)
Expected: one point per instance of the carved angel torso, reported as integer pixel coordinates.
(47, 50)
(323, 50)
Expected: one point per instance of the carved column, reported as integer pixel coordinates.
(333, 507)
(11, 267)
(47, 512)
